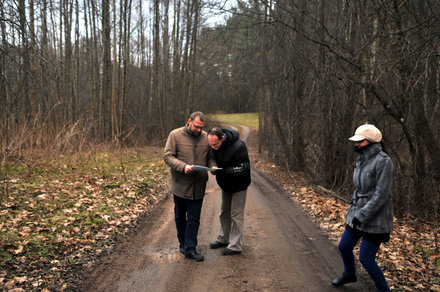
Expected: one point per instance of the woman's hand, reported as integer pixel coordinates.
(356, 222)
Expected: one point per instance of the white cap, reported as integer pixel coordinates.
(367, 131)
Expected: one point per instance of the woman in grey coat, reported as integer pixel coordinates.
(370, 215)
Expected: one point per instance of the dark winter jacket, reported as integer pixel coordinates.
(373, 180)
(233, 158)
(183, 148)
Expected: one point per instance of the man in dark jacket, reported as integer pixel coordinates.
(234, 178)
(188, 146)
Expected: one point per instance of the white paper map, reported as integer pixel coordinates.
(199, 167)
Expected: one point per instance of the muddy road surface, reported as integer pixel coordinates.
(283, 251)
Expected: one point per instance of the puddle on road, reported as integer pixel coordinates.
(170, 257)
(166, 257)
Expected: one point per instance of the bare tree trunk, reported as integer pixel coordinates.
(76, 90)
(105, 97)
(155, 94)
(67, 68)
(166, 92)
(4, 96)
(126, 61)
(115, 124)
(141, 37)
(176, 80)
(264, 93)
(142, 56)
(89, 24)
(25, 101)
(33, 85)
(193, 55)
(45, 82)
(186, 56)
(61, 115)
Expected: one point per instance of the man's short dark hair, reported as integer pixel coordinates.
(194, 115)
(216, 131)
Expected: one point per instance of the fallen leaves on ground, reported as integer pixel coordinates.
(60, 213)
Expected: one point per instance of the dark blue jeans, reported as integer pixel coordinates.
(187, 217)
(367, 257)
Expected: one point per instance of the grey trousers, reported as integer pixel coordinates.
(232, 219)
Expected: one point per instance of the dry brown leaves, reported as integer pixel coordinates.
(63, 213)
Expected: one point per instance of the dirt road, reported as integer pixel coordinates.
(283, 251)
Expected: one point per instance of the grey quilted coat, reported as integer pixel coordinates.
(373, 180)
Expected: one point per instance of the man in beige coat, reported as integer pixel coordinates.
(188, 146)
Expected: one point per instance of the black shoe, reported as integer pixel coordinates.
(217, 244)
(227, 251)
(344, 280)
(182, 250)
(194, 256)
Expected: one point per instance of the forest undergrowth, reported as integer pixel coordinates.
(60, 213)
